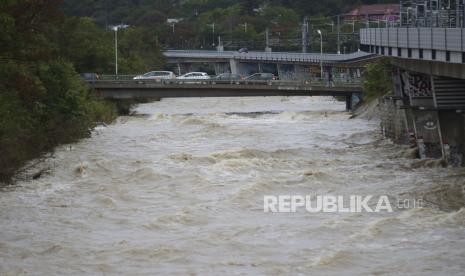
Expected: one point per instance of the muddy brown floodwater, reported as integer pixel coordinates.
(179, 189)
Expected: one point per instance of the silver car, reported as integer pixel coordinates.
(194, 76)
(156, 75)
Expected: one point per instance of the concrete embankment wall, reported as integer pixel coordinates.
(440, 133)
(398, 124)
(394, 120)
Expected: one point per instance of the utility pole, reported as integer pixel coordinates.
(220, 46)
(304, 35)
(106, 14)
(310, 32)
(267, 40)
(213, 33)
(245, 26)
(321, 51)
(116, 51)
(400, 13)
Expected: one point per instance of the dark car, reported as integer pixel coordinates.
(261, 77)
(228, 77)
(243, 50)
(90, 76)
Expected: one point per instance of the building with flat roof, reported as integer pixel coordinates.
(389, 12)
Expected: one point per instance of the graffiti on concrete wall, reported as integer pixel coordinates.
(427, 132)
(417, 85)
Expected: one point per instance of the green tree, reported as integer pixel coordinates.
(43, 101)
(86, 45)
(139, 51)
(377, 81)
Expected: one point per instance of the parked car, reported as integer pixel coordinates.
(156, 75)
(243, 50)
(90, 76)
(228, 77)
(194, 76)
(262, 77)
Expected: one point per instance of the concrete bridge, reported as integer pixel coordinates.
(194, 56)
(132, 89)
(427, 53)
(287, 66)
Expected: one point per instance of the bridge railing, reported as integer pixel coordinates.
(116, 77)
(127, 79)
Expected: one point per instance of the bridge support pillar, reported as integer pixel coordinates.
(349, 102)
(233, 65)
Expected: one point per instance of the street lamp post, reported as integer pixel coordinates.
(115, 28)
(321, 51)
(116, 50)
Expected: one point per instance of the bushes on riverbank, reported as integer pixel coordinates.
(43, 100)
(43, 105)
(377, 81)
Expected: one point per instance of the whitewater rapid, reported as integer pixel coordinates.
(178, 189)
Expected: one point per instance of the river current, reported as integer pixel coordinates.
(178, 189)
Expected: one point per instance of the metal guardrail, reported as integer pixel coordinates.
(115, 77)
(317, 81)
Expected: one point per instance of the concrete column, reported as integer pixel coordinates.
(179, 69)
(234, 64)
(349, 102)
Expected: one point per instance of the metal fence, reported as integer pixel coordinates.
(442, 39)
(357, 82)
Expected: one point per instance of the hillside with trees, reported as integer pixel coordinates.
(241, 23)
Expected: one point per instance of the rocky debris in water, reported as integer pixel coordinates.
(367, 111)
(81, 169)
(34, 170)
(429, 163)
(408, 153)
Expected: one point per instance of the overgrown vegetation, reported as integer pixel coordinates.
(43, 100)
(376, 80)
